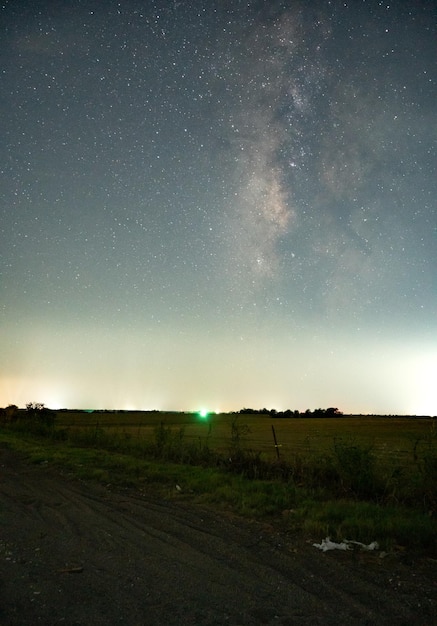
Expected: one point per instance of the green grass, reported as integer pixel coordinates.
(335, 482)
(391, 527)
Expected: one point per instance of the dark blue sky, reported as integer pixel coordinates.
(219, 203)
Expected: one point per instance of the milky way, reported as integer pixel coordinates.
(219, 204)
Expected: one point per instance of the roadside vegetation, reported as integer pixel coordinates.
(345, 483)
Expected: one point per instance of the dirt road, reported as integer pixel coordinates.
(74, 553)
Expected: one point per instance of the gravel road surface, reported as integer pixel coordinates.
(78, 553)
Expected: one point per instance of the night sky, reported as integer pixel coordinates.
(219, 204)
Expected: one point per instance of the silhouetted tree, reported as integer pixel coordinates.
(9, 414)
(332, 412)
(37, 410)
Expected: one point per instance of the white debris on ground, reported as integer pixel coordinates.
(327, 544)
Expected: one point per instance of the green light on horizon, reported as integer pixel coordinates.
(203, 413)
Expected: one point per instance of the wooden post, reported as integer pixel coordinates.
(276, 443)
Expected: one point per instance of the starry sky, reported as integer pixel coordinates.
(219, 204)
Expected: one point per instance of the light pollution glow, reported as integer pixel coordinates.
(133, 371)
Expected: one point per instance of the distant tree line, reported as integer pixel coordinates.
(330, 412)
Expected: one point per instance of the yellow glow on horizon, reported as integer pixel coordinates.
(423, 385)
(165, 372)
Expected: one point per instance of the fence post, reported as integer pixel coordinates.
(276, 443)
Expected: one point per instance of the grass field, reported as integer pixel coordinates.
(391, 439)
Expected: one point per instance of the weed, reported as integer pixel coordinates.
(355, 465)
(239, 433)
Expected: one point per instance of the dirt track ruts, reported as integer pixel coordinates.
(77, 553)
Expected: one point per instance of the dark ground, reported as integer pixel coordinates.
(76, 553)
